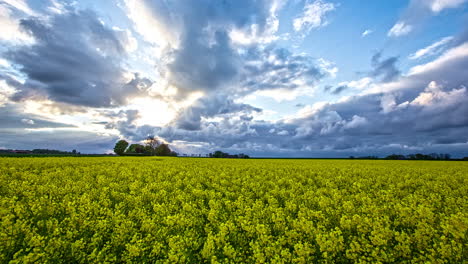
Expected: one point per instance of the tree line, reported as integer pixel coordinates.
(152, 147)
(419, 156)
(220, 154)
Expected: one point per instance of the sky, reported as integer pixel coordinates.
(269, 78)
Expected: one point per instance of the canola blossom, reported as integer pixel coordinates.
(200, 210)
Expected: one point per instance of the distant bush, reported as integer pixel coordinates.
(419, 156)
(152, 147)
(220, 154)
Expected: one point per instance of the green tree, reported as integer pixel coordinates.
(163, 150)
(219, 154)
(152, 144)
(120, 147)
(135, 149)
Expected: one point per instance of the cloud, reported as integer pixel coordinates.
(336, 90)
(418, 11)
(277, 69)
(439, 5)
(20, 5)
(214, 106)
(313, 16)
(400, 29)
(147, 25)
(386, 69)
(27, 121)
(432, 49)
(65, 139)
(75, 59)
(210, 56)
(449, 59)
(10, 27)
(366, 32)
(360, 84)
(328, 67)
(6, 91)
(430, 105)
(201, 54)
(224, 48)
(13, 117)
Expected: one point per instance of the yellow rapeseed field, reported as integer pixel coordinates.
(197, 210)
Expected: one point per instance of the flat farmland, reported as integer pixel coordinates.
(200, 210)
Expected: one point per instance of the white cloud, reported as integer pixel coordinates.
(281, 94)
(432, 49)
(400, 29)
(328, 67)
(310, 110)
(388, 103)
(313, 16)
(56, 7)
(10, 28)
(148, 26)
(6, 92)
(20, 5)
(434, 96)
(129, 42)
(252, 34)
(357, 121)
(444, 60)
(359, 84)
(27, 121)
(366, 32)
(439, 5)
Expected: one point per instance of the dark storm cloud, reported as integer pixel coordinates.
(206, 58)
(357, 126)
(216, 105)
(200, 67)
(274, 68)
(75, 59)
(424, 111)
(262, 69)
(123, 121)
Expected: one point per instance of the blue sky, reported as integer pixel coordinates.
(297, 78)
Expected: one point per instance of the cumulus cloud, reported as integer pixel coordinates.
(200, 55)
(211, 49)
(217, 54)
(273, 69)
(214, 106)
(75, 59)
(430, 104)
